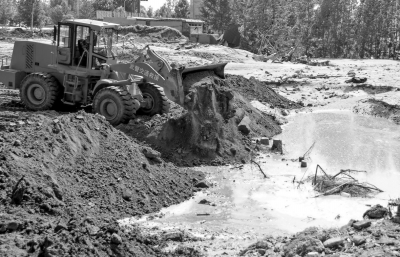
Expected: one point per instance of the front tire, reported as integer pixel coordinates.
(39, 91)
(115, 104)
(155, 100)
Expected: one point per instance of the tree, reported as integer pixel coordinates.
(143, 11)
(58, 10)
(167, 10)
(25, 13)
(103, 5)
(86, 9)
(150, 12)
(8, 11)
(217, 13)
(182, 9)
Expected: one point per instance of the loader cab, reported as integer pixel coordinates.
(85, 43)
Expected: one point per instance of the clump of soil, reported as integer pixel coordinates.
(64, 180)
(207, 131)
(379, 108)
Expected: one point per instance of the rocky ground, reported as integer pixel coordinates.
(373, 236)
(65, 178)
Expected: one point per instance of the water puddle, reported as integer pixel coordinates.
(248, 207)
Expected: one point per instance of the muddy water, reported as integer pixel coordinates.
(249, 207)
(348, 141)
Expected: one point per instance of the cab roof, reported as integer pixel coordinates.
(93, 24)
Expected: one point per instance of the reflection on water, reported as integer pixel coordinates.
(345, 140)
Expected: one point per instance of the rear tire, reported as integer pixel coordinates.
(39, 91)
(155, 98)
(115, 104)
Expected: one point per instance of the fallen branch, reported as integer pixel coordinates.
(265, 176)
(331, 191)
(306, 155)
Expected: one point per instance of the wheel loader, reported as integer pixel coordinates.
(80, 68)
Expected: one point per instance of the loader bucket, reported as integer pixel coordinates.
(219, 69)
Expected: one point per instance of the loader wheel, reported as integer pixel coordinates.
(115, 104)
(39, 91)
(155, 100)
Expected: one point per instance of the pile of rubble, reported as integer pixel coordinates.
(374, 236)
(66, 179)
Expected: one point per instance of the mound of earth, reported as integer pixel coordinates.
(156, 32)
(215, 127)
(65, 179)
(254, 89)
(379, 108)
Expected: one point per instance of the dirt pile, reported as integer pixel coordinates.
(156, 33)
(365, 238)
(216, 127)
(379, 108)
(64, 180)
(254, 89)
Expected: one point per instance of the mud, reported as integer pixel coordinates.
(207, 132)
(65, 179)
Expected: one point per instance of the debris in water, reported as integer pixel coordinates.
(342, 182)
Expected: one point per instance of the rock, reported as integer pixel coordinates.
(47, 191)
(244, 125)
(174, 236)
(351, 73)
(302, 246)
(344, 194)
(116, 239)
(376, 212)
(60, 226)
(285, 112)
(46, 207)
(386, 241)
(233, 151)
(359, 240)
(333, 242)
(204, 201)
(261, 251)
(264, 141)
(202, 184)
(127, 194)
(13, 226)
(396, 219)
(18, 193)
(58, 192)
(150, 153)
(304, 164)
(277, 146)
(312, 254)
(79, 117)
(3, 228)
(362, 224)
(17, 143)
(239, 115)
